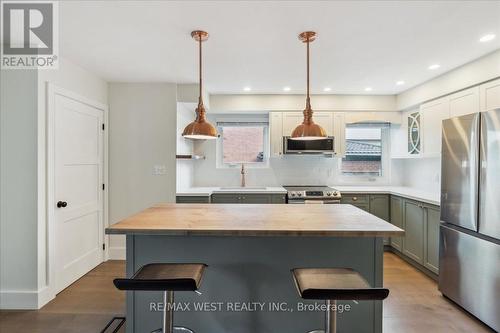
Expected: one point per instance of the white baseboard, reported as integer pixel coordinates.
(117, 253)
(45, 295)
(25, 299)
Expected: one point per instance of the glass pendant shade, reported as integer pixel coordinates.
(308, 130)
(200, 128)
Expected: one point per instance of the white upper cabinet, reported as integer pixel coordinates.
(464, 102)
(290, 121)
(293, 119)
(325, 120)
(490, 95)
(432, 115)
(276, 133)
(373, 117)
(409, 129)
(339, 133)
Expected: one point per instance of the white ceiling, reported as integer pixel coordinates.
(254, 43)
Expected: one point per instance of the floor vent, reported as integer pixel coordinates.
(114, 325)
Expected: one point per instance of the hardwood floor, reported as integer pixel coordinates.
(414, 305)
(84, 307)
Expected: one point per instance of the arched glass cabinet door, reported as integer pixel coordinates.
(414, 142)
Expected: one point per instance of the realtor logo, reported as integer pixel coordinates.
(29, 34)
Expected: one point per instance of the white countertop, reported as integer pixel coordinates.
(207, 191)
(407, 192)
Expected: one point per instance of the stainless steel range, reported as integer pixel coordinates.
(302, 194)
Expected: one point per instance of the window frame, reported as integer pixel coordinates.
(221, 122)
(385, 178)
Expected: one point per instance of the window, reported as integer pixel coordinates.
(243, 142)
(365, 146)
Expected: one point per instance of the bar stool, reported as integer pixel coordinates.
(167, 278)
(332, 285)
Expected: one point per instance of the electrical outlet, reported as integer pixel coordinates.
(159, 169)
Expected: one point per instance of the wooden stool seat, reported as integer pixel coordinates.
(335, 284)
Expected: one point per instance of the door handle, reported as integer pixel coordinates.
(61, 204)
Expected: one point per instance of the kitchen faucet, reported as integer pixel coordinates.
(242, 175)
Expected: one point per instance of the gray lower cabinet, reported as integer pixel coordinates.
(226, 198)
(376, 204)
(413, 244)
(379, 206)
(248, 198)
(192, 199)
(421, 224)
(398, 220)
(431, 249)
(359, 200)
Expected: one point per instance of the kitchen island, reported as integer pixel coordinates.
(250, 250)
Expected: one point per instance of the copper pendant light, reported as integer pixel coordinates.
(200, 128)
(308, 130)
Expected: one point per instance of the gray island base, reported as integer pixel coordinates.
(248, 286)
(250, 250)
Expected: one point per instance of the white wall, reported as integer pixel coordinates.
(285, 102)
(23, 279)
(473, 73)
(185, 168)
(18, 190)
(142, 129)
(422, 173)
(284, 170)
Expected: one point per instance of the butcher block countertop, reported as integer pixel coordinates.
(255, 220)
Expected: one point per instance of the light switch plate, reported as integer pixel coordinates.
(159, 169)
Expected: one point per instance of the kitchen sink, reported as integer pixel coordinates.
(240, 188)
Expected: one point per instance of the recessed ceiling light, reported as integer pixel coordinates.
(487, 38)
(368, 89)
(434, 66)
(327, 89)
(247, 89)
(287, 88)
(400, 83)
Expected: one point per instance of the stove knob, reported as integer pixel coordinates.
(328, 193)
(299, 194)
(292, 194)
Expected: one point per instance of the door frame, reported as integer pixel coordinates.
(51, 92)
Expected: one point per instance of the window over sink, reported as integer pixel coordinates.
(243, 142)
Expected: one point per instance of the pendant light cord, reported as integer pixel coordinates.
(201, 70)
(308, 68)
(200, 110)
(200, 102)
(308, 109)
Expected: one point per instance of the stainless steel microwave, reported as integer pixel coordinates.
(320, 146)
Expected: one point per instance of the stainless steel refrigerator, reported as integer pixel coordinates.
(469, 251)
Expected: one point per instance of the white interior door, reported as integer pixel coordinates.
(78, 179)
